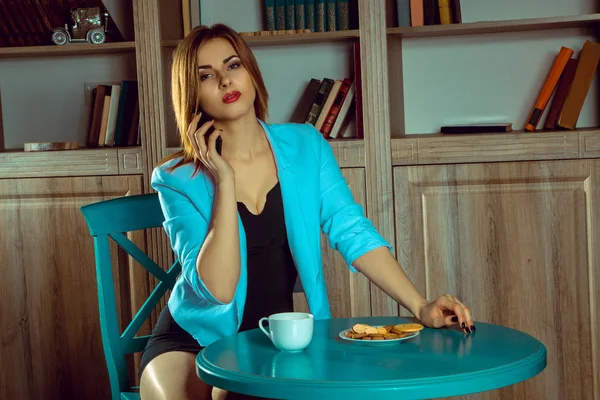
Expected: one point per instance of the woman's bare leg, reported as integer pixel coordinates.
(172, 376)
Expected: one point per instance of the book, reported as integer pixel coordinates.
(126, 111)
(303, 107)
(309, 10)
(560, 94)
(344, 115)
(584, 73)
(320, 16)
(548, 87)
(477, 128)
(111, 122)
(280, 15)
(403, 10)
(99, 95)
(331, 17)
(416, 13)
(104, 117)
(431, 12)
(290, 14)
(336, 106)
(300, 14)
(456, 11)
(327, 104)
(319, 100)
(343, 15)
(445, 15)
(270, 15)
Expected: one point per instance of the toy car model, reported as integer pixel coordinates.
(89, 25)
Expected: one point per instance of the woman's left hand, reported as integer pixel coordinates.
(446, 311)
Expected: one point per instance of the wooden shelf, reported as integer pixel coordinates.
(350, 153)
(517, 25)
(495, 147)
(292, 38)
(66, 50)
(81, 162)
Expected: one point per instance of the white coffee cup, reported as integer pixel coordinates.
(290, 331)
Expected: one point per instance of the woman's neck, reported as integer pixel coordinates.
(243, 138)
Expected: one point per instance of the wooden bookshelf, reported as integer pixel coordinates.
(81, 162)
(71, 49)
(495, 147)
(517, 25)
(291, 38)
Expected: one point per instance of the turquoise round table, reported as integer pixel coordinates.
(436, 363)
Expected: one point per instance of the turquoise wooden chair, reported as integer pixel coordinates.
(112, 218)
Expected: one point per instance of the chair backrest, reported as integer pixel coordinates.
(113, 218)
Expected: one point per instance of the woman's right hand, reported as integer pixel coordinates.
(219, 168)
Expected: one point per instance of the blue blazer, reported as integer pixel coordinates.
(316, 198)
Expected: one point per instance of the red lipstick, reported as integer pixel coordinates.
(231, 97)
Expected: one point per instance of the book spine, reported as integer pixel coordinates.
(300, 14)
(290, 19)
(335, 107)
(561, 93)
(319, 100)
(444, 6)
(280, 15)
(416, 13)
(331, 17)
(320, 16)
(456, 12)
(584, 74)
(403, 8)
(431, 12)
(548, 88)
(270, 15)
(309, 9)
(343, 15)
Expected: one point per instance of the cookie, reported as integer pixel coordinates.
(372, 331)
(408, 327)
(360, 328)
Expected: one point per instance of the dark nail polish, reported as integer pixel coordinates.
(468, 330)
(455, 319)
(463, 325)
(473, 328)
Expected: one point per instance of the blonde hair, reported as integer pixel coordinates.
(185, 83)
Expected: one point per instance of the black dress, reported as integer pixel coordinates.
(271, 278)
(271, 270)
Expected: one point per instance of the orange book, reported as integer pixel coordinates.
(549, 85)
(417, 16)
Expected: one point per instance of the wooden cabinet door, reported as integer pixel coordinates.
(518, 242)
(349, 293)
(50, 343)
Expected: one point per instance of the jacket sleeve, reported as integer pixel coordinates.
(186, 229)
(342, 219)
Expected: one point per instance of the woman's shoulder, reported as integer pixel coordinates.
(297, 134)
(178, 178)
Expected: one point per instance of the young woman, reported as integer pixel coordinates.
(245, 219)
